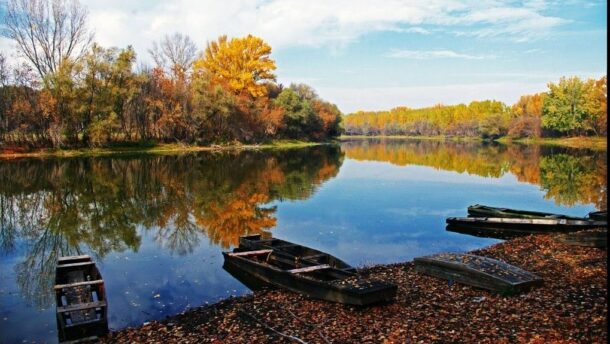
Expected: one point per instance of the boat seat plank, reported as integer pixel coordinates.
(81, 306)
(250, 253)
(68, 258)
(74, 265)
(309, 269)
(78, 284)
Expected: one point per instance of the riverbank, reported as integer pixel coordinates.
(149, 149)
(571, 307)
(596, 143)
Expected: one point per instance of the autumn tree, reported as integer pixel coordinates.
(597, 105)
(527, 113)
(241, 64)
(565, 109)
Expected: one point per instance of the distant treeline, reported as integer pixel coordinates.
(571, 107)
(73, 92)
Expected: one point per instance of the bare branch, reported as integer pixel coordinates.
(175, 51)
(48, 31)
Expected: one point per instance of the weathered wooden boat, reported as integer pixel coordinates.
(479, 210)
(82, 310)
(477, 271)
(589, 238)
(314, 280)
(296, 251)
(501, 234)
(601, 215)
(520, 226)
(245, 278)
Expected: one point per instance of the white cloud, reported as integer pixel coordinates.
(433, 54)
(331, 24)
(335, 23)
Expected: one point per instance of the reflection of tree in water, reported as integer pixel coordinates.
(36, 274)
(67, 206)
(570, 180)
(569, 176)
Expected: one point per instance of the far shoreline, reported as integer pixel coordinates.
(587, 142)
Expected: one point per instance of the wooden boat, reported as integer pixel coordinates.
(477, 271)
(601, 215)
(501, 234)
(479, 210)
(314, 280)
(589, 238)
(295, 251)
(82, 310)
(519, 226)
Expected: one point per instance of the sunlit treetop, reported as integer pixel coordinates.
(240, 64)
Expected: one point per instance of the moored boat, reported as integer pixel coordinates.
(519, 226)
(296, 251)
(588, 238)
(479, 210)
(82, 310)
(320, 281)
(601, 215)
(477, 271)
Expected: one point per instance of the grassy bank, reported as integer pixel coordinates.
(570, 307)
(596, 142)
(162, 148)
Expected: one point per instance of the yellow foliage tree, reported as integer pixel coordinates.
(241, 64)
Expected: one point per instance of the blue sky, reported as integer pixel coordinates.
(373, 55)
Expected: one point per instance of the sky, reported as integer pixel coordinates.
(376, 55)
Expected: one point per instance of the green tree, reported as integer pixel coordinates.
(565, 109)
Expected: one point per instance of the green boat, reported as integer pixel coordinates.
(479, 210)
(601, 215)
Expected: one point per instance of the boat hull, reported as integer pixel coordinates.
(590, 238)
(517, 227)
(478, 210)
(309, 286)
(601, 215)
(478, 271)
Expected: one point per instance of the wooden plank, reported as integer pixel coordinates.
(74, 265)
(250, 253)
(67, 258)
(283, 246)
(81, 306)
(314, 256)
(77, 284)
(309, 269)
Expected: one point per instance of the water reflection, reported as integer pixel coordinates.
(568, 176)
(155, 224)
(64, 207)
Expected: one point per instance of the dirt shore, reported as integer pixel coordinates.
(571, 307)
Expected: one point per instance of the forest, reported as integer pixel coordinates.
(65, 90)
(570, 107)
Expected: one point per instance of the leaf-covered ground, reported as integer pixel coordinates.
(571, 307)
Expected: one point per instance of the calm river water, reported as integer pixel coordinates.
(156, 224)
